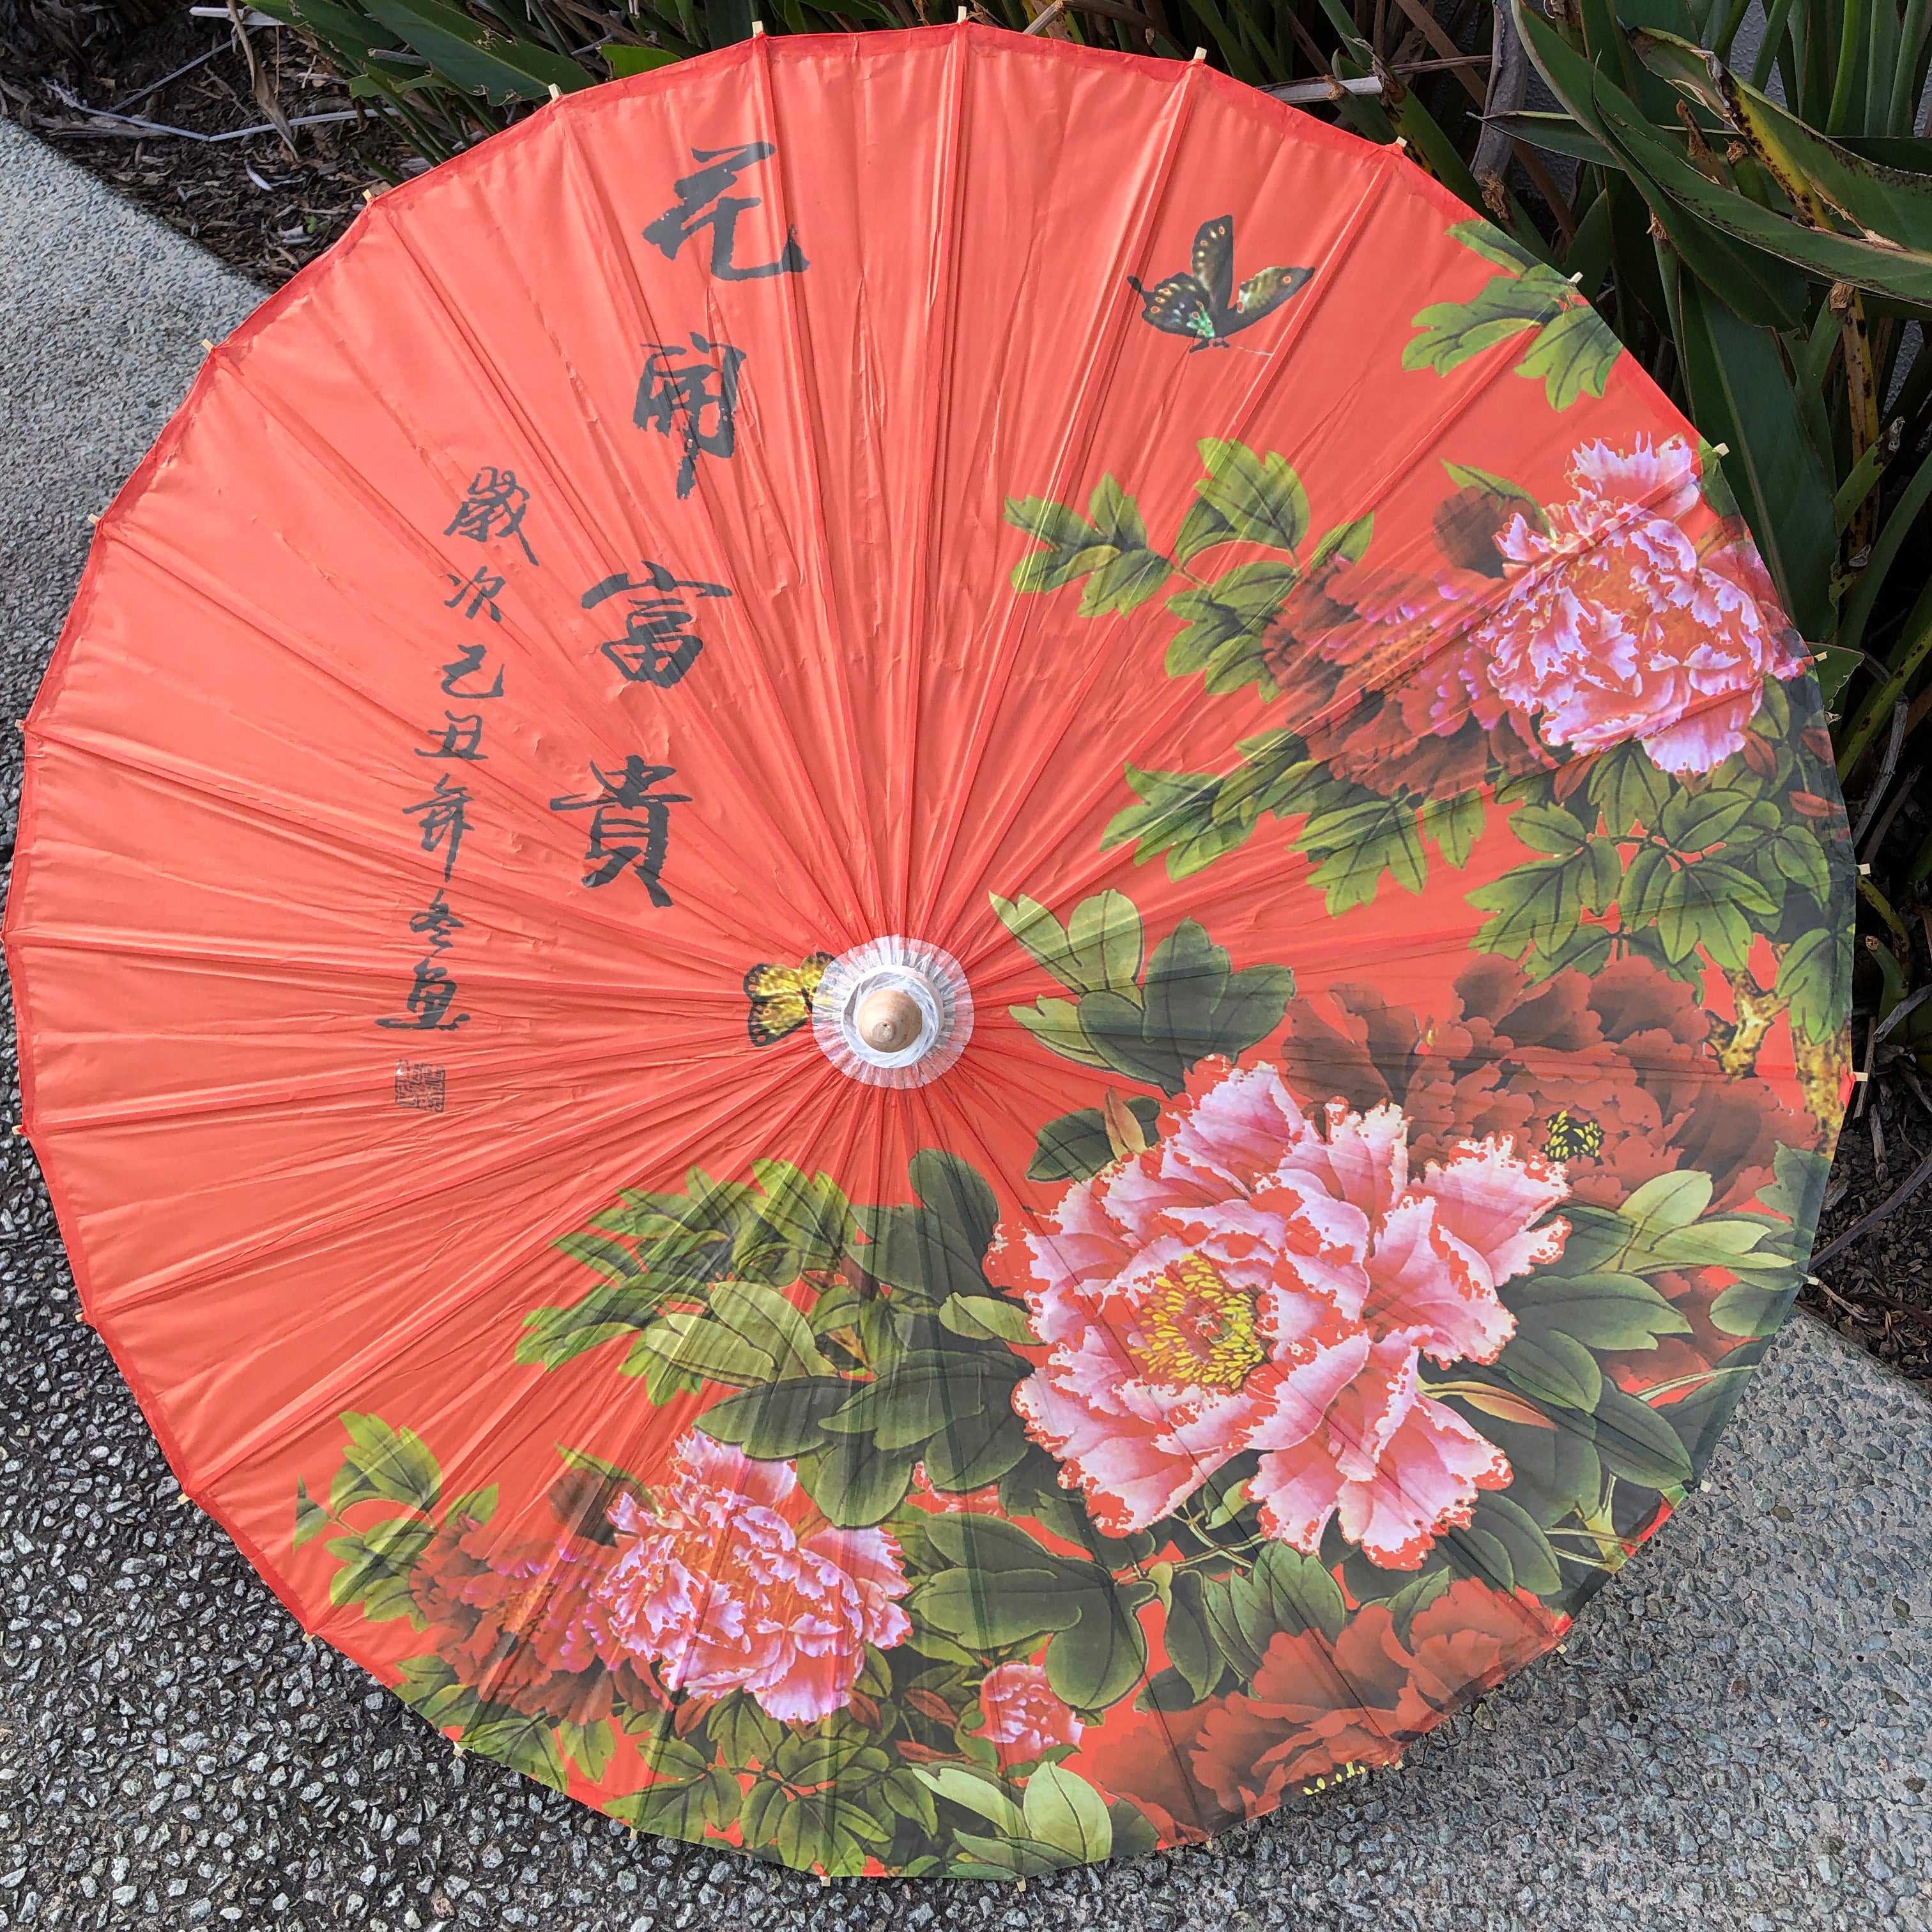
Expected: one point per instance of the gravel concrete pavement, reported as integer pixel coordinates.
(1736, 1737)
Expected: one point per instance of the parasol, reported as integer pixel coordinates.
(932, 1000)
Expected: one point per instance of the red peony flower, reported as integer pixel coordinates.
(1631, 610)
(1024, 1716)
(516, 1621)
(1317, 1708)
(1640, 614)
(732, 1581)
(1611, 1074)
(1253, 1282)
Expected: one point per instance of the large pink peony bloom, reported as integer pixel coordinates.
(729, 1584)
(1640, 614)
(1024, 1716)
(1256, 1282)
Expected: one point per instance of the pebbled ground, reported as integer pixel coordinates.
(1738, 1734)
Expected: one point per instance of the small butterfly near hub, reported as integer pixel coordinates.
(1203, 304)
(781, 998)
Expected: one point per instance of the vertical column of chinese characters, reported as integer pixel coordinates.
(491, 514)
(688, 393)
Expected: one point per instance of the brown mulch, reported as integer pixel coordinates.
(1878, 1293)
(263, 209)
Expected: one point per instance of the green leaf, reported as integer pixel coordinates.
(972, 1791)
(692, 1342)
(1356, 845)
(433, 1690)
(990, 1612)
(1815, 975)
(778, 1420)
(1492, 244)
(744, 1734)
(768, 1324)
(1531, 1557)
(1189, 1640)
(311, 1518)
(1454, 824)
(1609, 1311)
(479, 59)
(1745, 1308)
(1075, 1146)
(610, 1259)
(1666, 1201)
(553, 1336)
(913, 1399)
(1186, 980)
(936, 1248)
(527, 1744)
(1176, 814)
(1628, 789)
(1104, 944)
(986, 1318)
(1539, 903)
(973, 1450)
(1073, 548)
(1223, 638)
(1572, 356)
(1065, 1812)
(385, 1465)
(1798, 1192)
(1548, 828)
(1553, 1367)
(1506, 305)
(1111, 550)
(854, 1484)
(1097, 1660)
(1416, 1596)
(1259, 499)
(376, 1566)
(1742, 396)
(625, 62)
(1056, 1025)
(1350, 540)
(1637, 1443)
(682, 1810)
(587, 1746)
(1124, 583)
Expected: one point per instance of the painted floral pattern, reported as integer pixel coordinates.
(733, 1581)
(1254, 1282)
(1335, 1344)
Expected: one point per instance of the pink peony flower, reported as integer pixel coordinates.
(1640, 614)
(1024, 1717)
(1256, 1282)
(731, 1581)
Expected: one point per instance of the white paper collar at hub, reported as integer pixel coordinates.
(893, 1012)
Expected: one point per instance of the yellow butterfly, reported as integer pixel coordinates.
(1571, 1135)
(781, 998)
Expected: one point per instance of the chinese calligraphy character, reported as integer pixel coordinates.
(436, 923)
(483, 589)
(420, 1085)
(430, 998)
(494, 507)
(470, 664)
(630, 823)
(443, 817)
(677, 401)
(702, 202)
(658, 646)
(461, 737)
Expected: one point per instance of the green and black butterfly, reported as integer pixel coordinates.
(1202, 303)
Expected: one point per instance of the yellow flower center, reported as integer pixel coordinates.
(1196, 1330)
